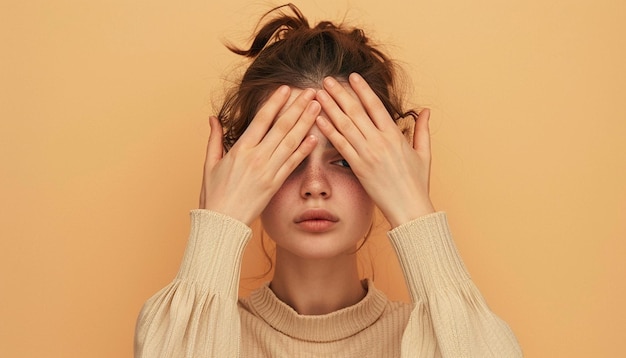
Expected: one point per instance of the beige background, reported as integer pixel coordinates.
(103, 123)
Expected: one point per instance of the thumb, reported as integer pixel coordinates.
(421, 134)
(215, 147)
(214, 153)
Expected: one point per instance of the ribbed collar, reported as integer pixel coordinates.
(320, 328)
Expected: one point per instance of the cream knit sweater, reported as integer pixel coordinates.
(198, 314)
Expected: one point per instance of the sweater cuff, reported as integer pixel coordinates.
(428, 255)
(214, 252)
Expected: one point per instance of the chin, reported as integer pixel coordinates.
(317, 248)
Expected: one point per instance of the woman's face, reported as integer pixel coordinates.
(321, 210)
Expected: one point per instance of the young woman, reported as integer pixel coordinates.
(308, 141)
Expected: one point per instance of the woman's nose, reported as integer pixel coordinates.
(314, 182)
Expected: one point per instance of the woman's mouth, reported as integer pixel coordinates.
(316, 220)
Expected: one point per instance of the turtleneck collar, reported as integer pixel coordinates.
(329, 327)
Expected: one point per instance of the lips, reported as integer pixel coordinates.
(316, 214)
(316, 220)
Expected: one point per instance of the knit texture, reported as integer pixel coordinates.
(198, 314)
(342, 333)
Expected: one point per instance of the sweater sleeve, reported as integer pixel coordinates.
(449, 309)
(196, 314)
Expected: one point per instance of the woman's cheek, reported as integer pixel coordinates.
(353, 189)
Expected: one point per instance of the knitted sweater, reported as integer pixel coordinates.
(199, 315)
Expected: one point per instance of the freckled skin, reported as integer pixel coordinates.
(321, 181)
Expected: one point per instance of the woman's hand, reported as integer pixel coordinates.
(241, 182)
(395, 174)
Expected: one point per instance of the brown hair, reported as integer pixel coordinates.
(287, 51)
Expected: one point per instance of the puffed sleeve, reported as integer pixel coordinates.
(451, 318)
(196, 314)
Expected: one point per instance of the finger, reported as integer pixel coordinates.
(214, 153)
(289, 118)
(350, 104)
(343, 146)
(341, 122)
(265, 117)
(215, 147)
(421, 134)
(303, 150)
(293, 139)
(371, 102)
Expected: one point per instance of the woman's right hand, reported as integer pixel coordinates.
(241, 183)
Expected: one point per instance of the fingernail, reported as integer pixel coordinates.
(356, 77)
(309, 93)
(321, 121)
(283, 89)
(313, 107)
(329, 81)
(322, 95)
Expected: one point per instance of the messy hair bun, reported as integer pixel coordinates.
(286, 50)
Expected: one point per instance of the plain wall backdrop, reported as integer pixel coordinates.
(103, 127)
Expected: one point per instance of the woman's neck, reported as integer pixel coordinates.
(316, 287)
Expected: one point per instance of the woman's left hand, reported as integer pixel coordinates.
(395, 174)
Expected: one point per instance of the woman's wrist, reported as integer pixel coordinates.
(411, 213)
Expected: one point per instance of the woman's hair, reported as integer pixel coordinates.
(287, 51)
